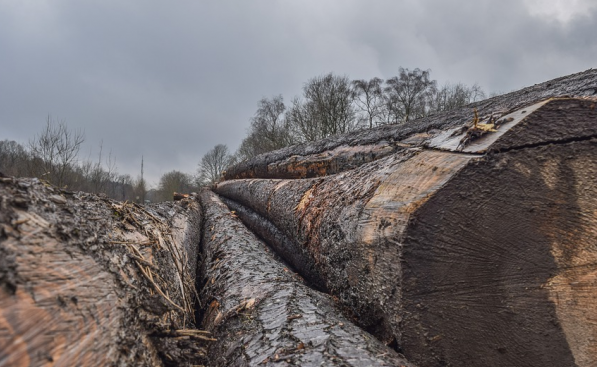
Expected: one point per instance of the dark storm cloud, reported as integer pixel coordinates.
(501, 46)
(169, 80)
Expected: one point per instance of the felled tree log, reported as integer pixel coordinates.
(262, 313)
(178, 196)
(345, 152)
(87, 281)
(475, 249)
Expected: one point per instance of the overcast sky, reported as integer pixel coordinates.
(170, 79)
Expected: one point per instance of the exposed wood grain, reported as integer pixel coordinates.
(67, 311)
(86, 281)
(502, 261)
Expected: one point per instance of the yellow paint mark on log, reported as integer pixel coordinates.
(305, 200)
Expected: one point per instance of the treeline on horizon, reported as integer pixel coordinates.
(330, 105)
(333, 104)
(53, 156)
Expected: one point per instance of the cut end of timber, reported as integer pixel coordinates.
(88, 281)
(472, 246)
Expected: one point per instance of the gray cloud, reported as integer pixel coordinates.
(170, 80)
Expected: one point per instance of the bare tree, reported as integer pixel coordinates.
(368, 98)
(13, 158)
(303, 120)
(452, 96)
(406, 94)
(55, 151)
(249, 147)
(101, 174)
(53, 155)
(140, 190)
(269, 130)
(331, 105)
(331, 98)
(171, 182)
(269, 123)
(125, 187)
(477, 93)
(327, 108)
(213, 164)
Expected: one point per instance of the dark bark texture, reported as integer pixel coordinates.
(262, 313)
(87, 281)
(344, 152)
(474, 248)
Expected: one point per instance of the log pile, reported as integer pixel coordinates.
(262, 313)
(344, 152)
(87, 281)
(472, 246)
(461, 239)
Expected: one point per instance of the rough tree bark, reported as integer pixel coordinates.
(87, 281)
(474, 248)
(262, 313)
(344, 152)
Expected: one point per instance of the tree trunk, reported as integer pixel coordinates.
(262, 313)
(87, 281)
(345, 152)
(475, 248)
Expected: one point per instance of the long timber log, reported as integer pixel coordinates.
(87, 281)
(476, 247)
(345, 152)
(262, 313)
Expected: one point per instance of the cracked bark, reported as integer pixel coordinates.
(262, 313)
